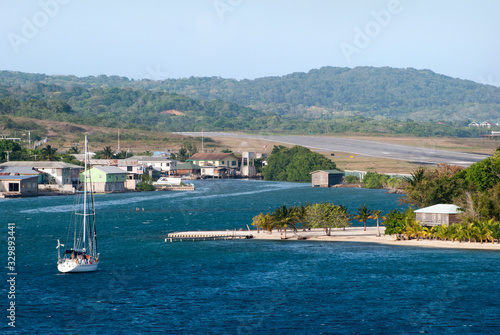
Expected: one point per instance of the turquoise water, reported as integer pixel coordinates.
(145, 285)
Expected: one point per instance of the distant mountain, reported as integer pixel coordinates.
(325, 93)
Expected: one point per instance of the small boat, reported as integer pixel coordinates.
(82, 256)
(167, 181)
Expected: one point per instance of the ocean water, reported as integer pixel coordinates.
(145, 285)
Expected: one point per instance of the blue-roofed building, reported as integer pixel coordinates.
(23, 171)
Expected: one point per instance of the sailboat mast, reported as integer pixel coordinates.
(85, 194)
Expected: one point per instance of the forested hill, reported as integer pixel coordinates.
(124, 108)
(324, 93)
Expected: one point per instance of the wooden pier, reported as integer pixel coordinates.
(189, 187)
(204, 236)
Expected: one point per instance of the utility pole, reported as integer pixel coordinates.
(202, 149)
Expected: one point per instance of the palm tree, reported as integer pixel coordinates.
(468, 231)
(439, 232)
(345, 213)
(495, 230)
(458, 232)
(427, 232)
(263, 222)
(107, 152)
(483, 231)
(284, 217)
(377, 215)
(412, 228)
(416, 177)
(49, 153)
(363, 214)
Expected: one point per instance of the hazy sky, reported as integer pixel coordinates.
(161, 39)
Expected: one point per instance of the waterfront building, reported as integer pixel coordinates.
(438, 215)
(326, 178)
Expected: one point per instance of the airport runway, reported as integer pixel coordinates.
(363, 148)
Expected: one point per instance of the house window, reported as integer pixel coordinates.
(222, 162)
(13, 187)
(129, 169)
(233, 163)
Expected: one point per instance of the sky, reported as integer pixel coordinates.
(248, 39)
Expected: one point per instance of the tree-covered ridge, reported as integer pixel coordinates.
(124, 108)
(323, 93)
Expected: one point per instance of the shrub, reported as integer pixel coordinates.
(351, 179)
(142, 186)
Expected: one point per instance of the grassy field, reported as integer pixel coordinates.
(65, 135)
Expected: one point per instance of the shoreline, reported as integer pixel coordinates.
(351, 234)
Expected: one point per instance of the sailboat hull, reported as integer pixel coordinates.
(72, 266)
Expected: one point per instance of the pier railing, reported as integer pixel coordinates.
(194, 236)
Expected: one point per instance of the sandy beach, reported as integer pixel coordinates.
(351, 234)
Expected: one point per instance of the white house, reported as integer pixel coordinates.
(60, 173)
(162, 164)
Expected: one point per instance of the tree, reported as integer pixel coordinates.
(264, 222)
(74, 150)
(285, 217)
(49, 153)
(327, 216)
(320, 215)
(416, 177)
(363, 214)
(412, 228)
(377, 215)
(394, 223)
(105, 153)
(483, 175)
(294, 164)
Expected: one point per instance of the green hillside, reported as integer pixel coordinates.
(420, 95)
(123, 108)
(328, 100)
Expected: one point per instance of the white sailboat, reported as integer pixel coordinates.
(82, 256)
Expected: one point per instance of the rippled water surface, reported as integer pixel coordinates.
(145, 285)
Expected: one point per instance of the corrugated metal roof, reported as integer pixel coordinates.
(329, 171)
(23, 170)
(188, 166)
(440, 209)
(17, 177)
(210, 156)
(149, 159)
(110, 169)
(41, 164)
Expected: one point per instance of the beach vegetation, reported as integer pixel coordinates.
(321, 215)
(327, 216)
(376, 180)
(476, 189)
(363, 214)
(377, 215)
(403, 225)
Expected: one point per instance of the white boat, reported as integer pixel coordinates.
(82, 256)
(167, 181)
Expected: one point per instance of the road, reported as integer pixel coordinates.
(362, 148)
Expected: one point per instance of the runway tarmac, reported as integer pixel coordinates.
(362, 148)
